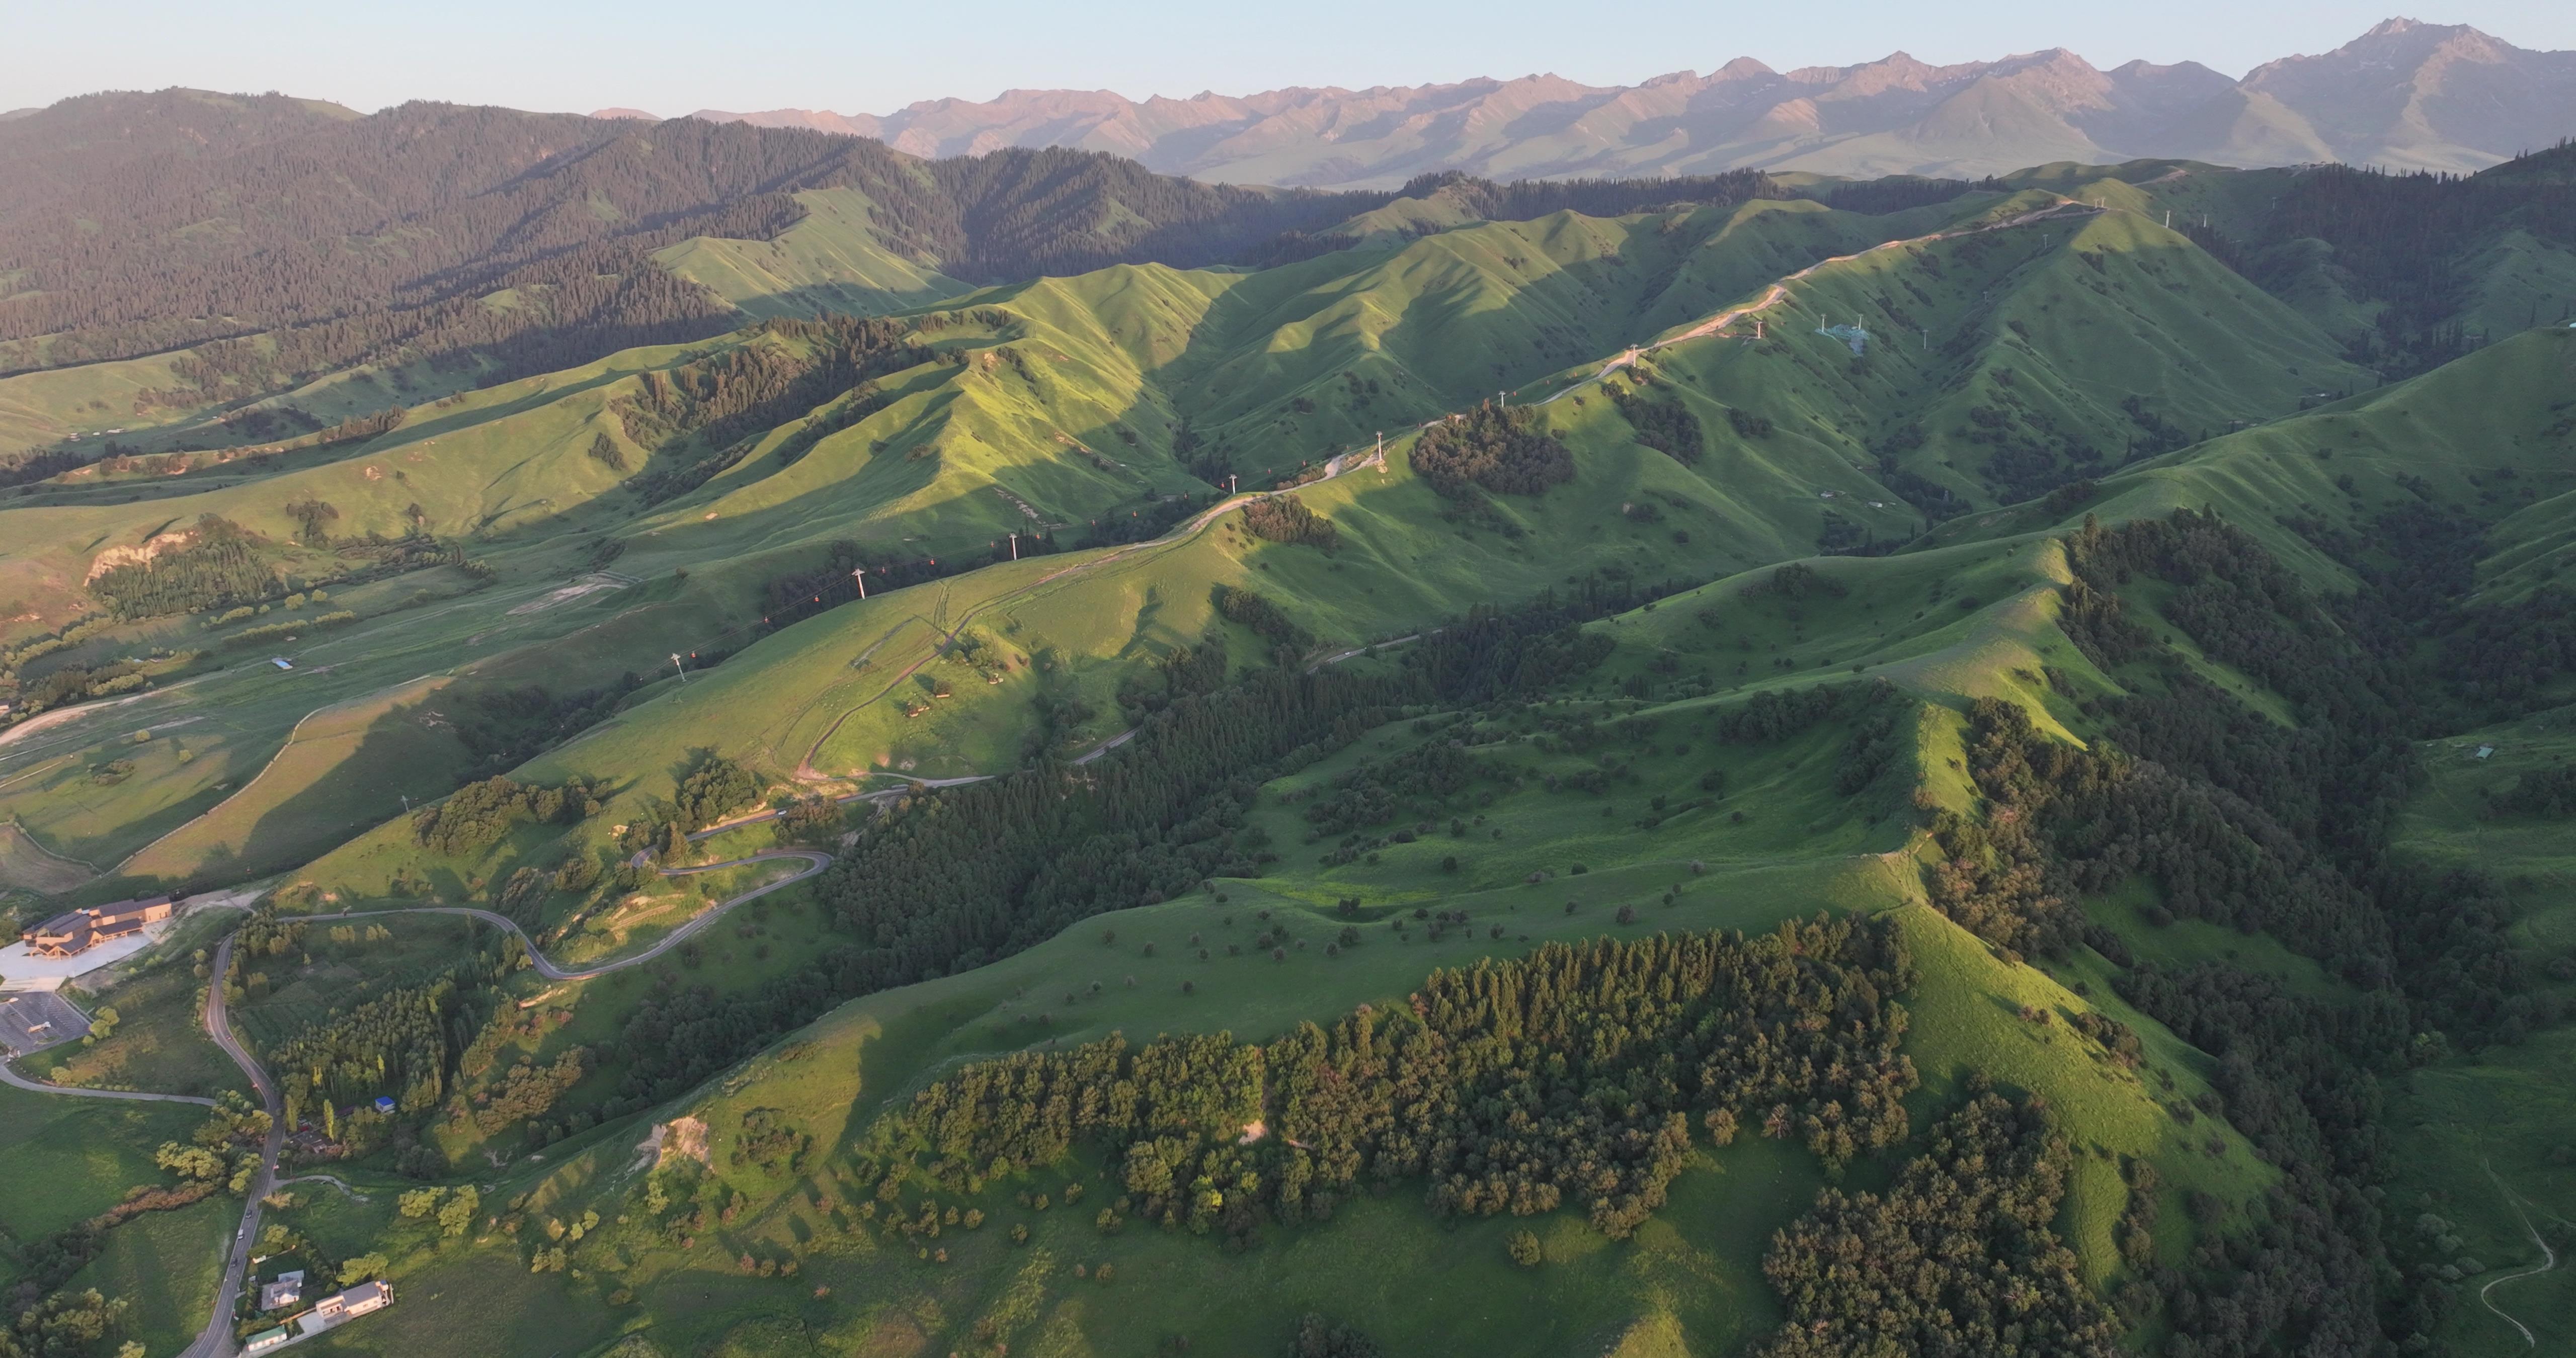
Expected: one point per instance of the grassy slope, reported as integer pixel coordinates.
(1801, 849)
(165, 1265)
(505, 469)
(1904, 620)
(2482, 1140)
(72, 1158)
(1077, 420)
(2487, 435)
(1690, 1281)
(830, 261)
(1748, 501)
(158, 1043)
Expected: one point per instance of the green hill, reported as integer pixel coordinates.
(1061, 408)
(1824, 731)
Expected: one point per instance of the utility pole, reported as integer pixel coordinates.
(861, 575)
(682, 669)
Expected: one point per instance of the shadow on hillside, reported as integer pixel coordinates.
(361, 783)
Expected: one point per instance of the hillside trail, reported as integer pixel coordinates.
(332, 1179)
(2548, 1259)
(1342, 464)
(815, 859)
(1779, 292)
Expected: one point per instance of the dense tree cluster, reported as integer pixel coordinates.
(1956, 1256)
(1379, 790)
(1527, 199)
(529, 1090)
(1321, 1337)
(1266, 619)
(2295, 1075)
(1573, 1076)
(1668, 427)
(67, 1324)
(2285, 829)
(1499, 448)
(476, 815)
(713, 787)
(1896, 193)
(1775, 714)
(2405, 240)
(2549, 792)
(730, 399)
(394, 1044)
(219, 565)
(1285, 518)
(75, 683)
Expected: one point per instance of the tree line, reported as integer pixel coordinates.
(950, 879)
(2285, 829)
(1575, 1076)
(1957, 1255)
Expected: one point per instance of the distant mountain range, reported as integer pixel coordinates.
(2405, 95)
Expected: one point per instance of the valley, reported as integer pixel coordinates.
(1037, 759)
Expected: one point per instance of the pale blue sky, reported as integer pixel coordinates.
(670, 57)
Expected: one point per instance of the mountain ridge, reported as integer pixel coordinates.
(2406, 95)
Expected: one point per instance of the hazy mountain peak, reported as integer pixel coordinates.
(2405, 94)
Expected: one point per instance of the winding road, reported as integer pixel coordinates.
(216, 1339)
(815, 859)
(2548, 1261)
(10, 1076)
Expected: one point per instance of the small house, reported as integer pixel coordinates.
(357, 1301)
(385, 1104)
(285, 1292)
(265, 1340)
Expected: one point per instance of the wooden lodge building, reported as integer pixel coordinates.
(77, 931)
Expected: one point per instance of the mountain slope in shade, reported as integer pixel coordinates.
(2406, 95)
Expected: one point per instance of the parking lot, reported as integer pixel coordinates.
(32, 1020)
